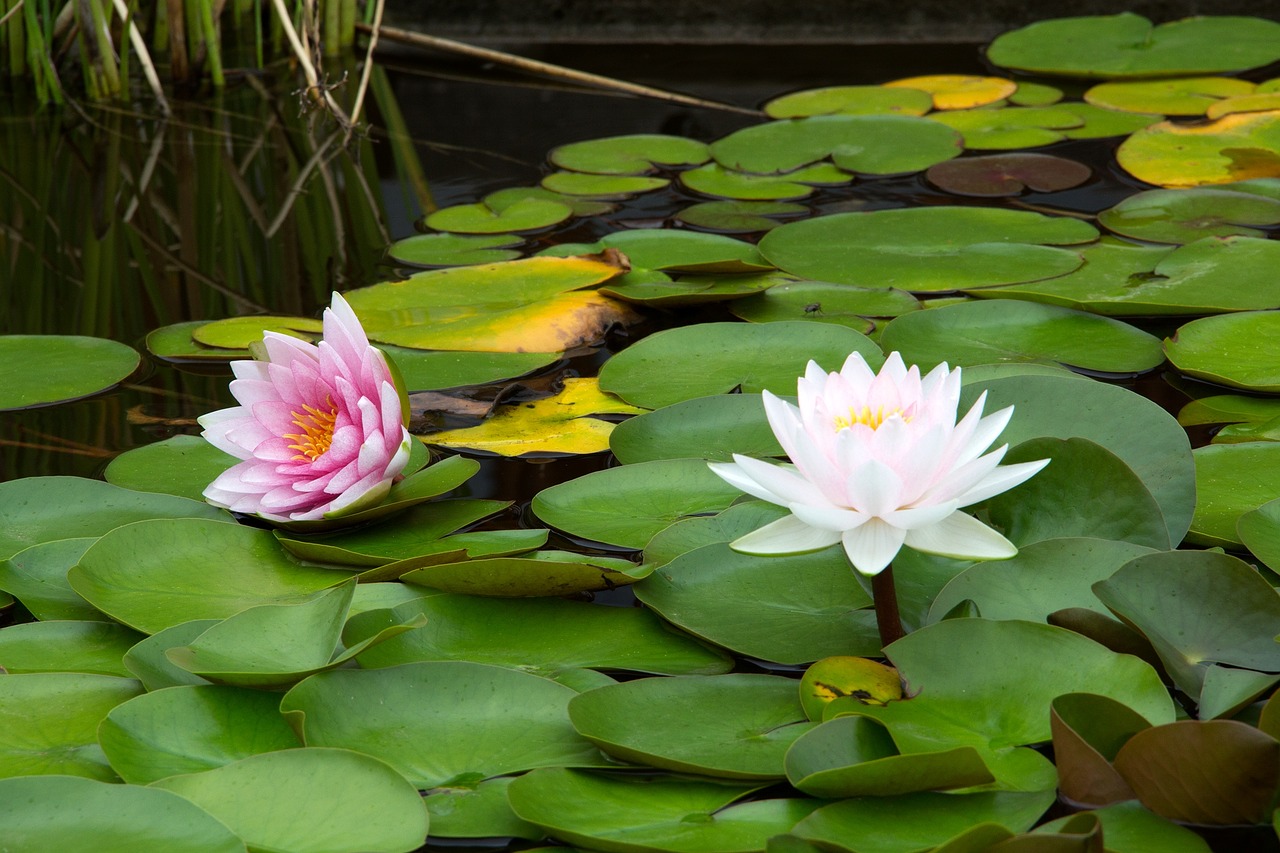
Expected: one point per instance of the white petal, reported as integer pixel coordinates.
(781, 481)
(962, 536)
(921, 516)
(873, 546)
(787, 535)
(874, 488)
(735, 476)
(1001, 480)
(833, 518)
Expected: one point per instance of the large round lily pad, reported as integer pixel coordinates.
(39, 370)
(1230, 349)
(1011, 330)
(1128, 45)
(718, 358)
(928, 248)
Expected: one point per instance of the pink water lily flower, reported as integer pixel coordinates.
(879, 461)
(320, 427)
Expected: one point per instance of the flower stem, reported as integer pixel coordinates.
(886, 600)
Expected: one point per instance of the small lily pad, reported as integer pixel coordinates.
(659, 291)
(40, 370)
(824, 302)
(1185, 215)
(239, 332)
(1180, 96)
(637, 154)
(1010, 127)
(601, 186)
(997, 175)
(529, 214)
(958, 91)
(454, 250)
(173, 343)
(664, 249)
(736, 217)
(851, 100)
(716, 180)
(1255, 103)
(1129, 46)
(542, 573)
(1230, 349)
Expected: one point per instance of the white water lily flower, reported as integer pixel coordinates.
(879, 461)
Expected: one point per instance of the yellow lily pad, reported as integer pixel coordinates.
(959, 91)
(1182, 96)
(530, 305)
(239, 332)
(868, 681)
(559, 424)
(1258, 102)
(1235, 147)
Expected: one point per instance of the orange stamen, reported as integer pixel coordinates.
(317, 431)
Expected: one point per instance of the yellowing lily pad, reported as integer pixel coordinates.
(1182, 96)
(1129, 46)
(1255, 103)
(637, 154)
(851, 100)
(530, 305)
(959, 91)
(239, 332)
(559, 424)
(1235, 147)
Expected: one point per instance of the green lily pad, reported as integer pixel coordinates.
(96, 647)
(1137, 430)
(1229, 409)
(191, 729)
(1128, 46)
(996, 175)
(1085, 491)
(174, 343)
(1231, 480)
(1002, 128)
(850, 100)
(43, 509)
(434, 371)
(601, 186)
(1029, 94)
(866, 144)
(479, 811)
(1236, 147)
(793, 608)
(716, 358)
(148, 662)
(727, 726)
(1197, 608)
(664, 249)
(42, 813)
(1179, 96)
(310, 801)
(928, 248)
(737, 217)
(719, 181)
(637, 154)
(1230, 349)
(40, 370)
(1181, 216)
(155, 574)
(1044, 661)
(182, 465)
(441, 721)
(625, 506)
(239, 332)
(542, 573)
(824, 302)
(503, 198)
(1042, 578)
(37, 576)
(1210, 275)
(919, 821)
(1131, 828)
(998, 330)
(62, 738)
(272, 646)
(705, 427)
(528, 214)
(1259, 530)
(855, 757)
(621, 814)
(454, 250)
(544, 636)
(1101, 123)
(657, 290)
(688, 534)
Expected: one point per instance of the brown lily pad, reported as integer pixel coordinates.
(999, 175)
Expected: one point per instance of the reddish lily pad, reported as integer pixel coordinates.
(997, 175)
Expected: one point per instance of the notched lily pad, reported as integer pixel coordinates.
(737, 217)
(637, 154)
(528, 214)
(1010, 127)
(40, 370)
(850, 100)
(716, 180)
(998, 175)
(239, 332)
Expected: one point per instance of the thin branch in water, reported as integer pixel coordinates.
(315, 88)
(366, 71)
(547, 69)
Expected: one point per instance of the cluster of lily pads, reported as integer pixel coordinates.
(192, 682)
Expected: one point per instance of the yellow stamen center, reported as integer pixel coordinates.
(317, 431)
(868, 417)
